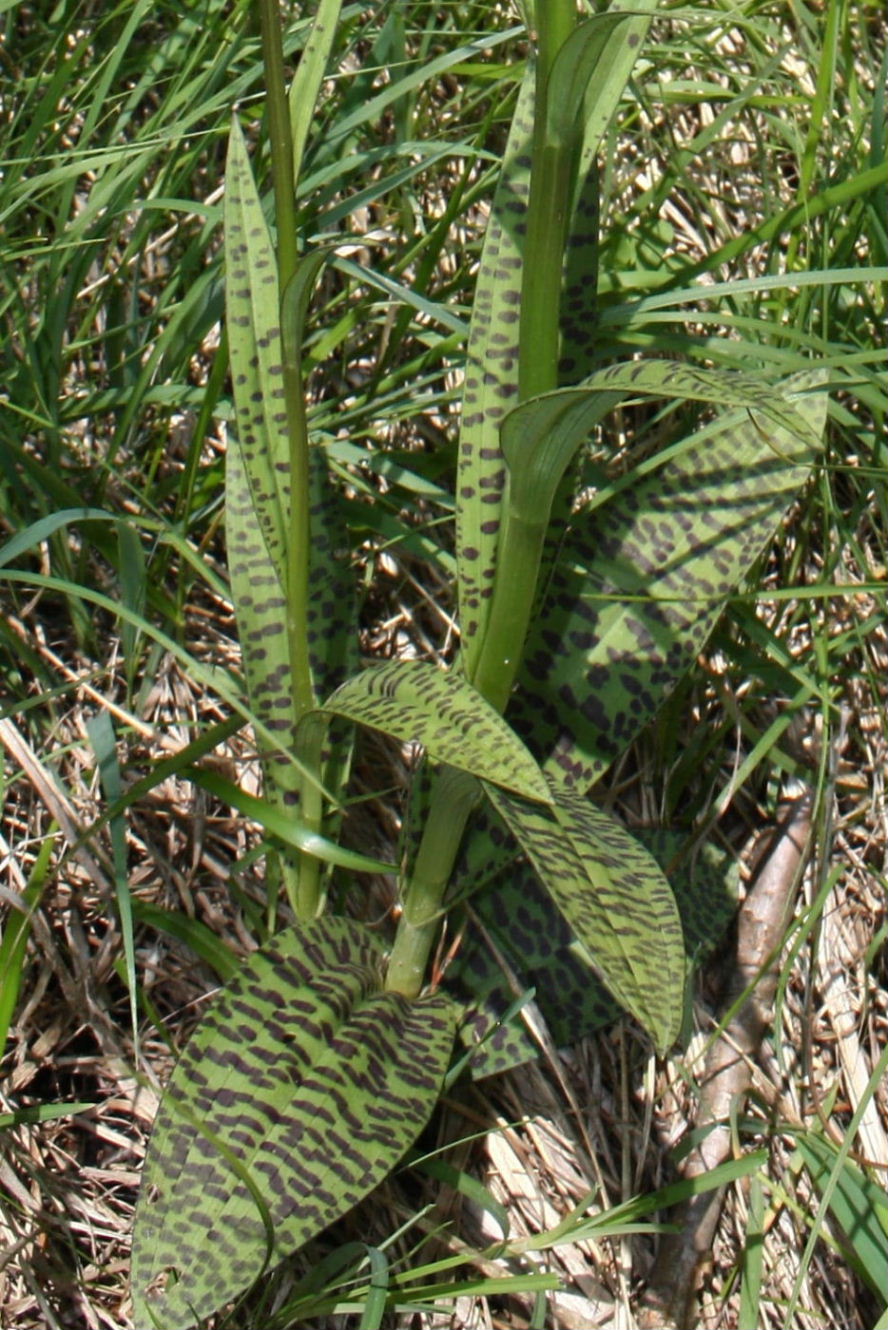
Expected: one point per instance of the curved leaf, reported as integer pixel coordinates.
(541, 436)
(301, 1089)
(414, 701)
(587, 61)
(534, 948)
(616, 900)
(642, 579)
(858, 1204)
(284, 825)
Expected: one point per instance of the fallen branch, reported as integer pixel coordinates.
(668, 1303)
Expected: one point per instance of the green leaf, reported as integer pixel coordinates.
(284, 825)
(587, 60)
(14, 941)
(859, 1206)
(611, 74)
(301, 1089)
(43, 1113)
(415, 702)
(133, 592)
(252, 302)
(34, 535)
(100, 730)
(539, 441)
(753, 1256)
(534, 949)
(644, 574)
(260, 608)
(310, 75)
(541, 436)
(616, 900)
(205, 944)
(258, 488)
(491, 381)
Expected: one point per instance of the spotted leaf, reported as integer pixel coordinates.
(534, 949)
(605, 86)
(491, 382)
(643, 576)
(301, 1089)
(416, 702)
(541, 436)
(258, 492)
(588, 76)
(252, 307)
(615, 899)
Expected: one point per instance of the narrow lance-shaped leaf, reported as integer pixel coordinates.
(309, 76)
(301, 1089)
(858, 1204)
(252, 300)
(260, 610)
(615, 899)
(491, 382)
(415, 702)
(284, 825)
(258, 487)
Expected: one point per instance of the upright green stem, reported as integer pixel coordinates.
(456, 794)
(306, 895)
(280, 135)
(521, 545)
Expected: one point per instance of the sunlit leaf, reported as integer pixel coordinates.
(416, 702)
(252, 301)
(301, 1089)
(258, 489)
(581, 67)
(616, 900)
(525, 944)
(858, 1205)
(643, 577)
(491, 382)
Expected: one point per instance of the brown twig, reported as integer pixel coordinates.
(670, 1296)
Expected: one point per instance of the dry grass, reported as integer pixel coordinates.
(603, 1117)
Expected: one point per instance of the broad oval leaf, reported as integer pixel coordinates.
(414, 701)
(301, 1089)
(615, 898)
(526, 944)
(642, 578)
